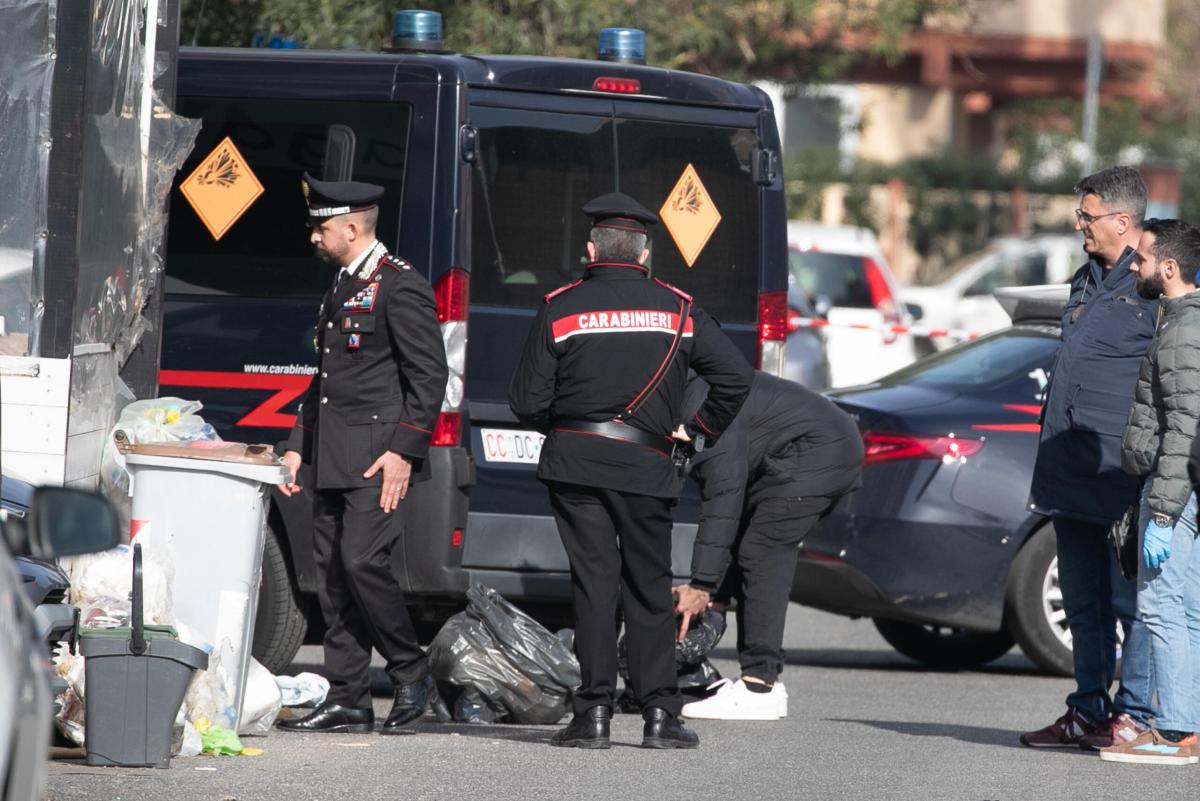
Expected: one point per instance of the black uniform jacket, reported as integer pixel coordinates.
(786, 442)
(382, 376)
(594, 347)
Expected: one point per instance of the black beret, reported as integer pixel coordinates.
(331, 198)
(618, 210)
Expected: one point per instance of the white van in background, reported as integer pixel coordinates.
(842, 272)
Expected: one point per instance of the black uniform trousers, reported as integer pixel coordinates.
(619, 547)
(760, 577)
(361, 599)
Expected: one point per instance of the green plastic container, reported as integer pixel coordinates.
(136, 678)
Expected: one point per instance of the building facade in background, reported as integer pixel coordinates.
(956, 77)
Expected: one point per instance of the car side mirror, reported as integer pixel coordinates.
(821, 305)
(68, 522)
(914, 310)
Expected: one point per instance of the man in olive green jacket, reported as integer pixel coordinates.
(1157, 442)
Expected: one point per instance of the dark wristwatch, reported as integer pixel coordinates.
(1162, 521)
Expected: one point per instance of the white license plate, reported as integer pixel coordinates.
(513, 447)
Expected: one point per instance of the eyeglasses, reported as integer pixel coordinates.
(1086, 219)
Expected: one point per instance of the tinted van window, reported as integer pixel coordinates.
(266, 253)
(535, 170)
(653, 157)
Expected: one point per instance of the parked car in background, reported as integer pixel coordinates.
(843, 274)
(61, 522)
(964, 301)
(939, 545)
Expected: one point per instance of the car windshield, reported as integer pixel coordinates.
(1014, 354)
(839, 277)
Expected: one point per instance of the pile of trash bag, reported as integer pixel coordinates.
(505, 665)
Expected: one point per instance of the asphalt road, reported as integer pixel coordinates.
(864, 723)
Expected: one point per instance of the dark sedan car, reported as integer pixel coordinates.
(939, 546)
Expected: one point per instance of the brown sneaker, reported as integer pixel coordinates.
(1151, 748)
(1066, 732)
(1119, 729)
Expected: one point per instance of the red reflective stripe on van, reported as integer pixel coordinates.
(266, 415)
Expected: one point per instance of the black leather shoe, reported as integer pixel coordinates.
(589, 730)
(664, 730)
(411, 701)
(331, 717)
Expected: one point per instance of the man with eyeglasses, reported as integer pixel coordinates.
(1078, 481)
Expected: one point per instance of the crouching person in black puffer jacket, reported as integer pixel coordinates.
(779, 467)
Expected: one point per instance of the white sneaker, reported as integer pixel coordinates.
(733, 701)
(779, 693)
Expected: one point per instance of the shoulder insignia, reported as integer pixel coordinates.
(396, 263)
(674, 289)
(552, 295)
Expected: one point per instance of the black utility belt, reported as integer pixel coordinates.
(615, 431)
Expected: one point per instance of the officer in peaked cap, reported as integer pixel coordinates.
(363, 431)
(602, 375)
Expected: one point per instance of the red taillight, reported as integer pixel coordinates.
(452, 292)
(772, 317)
(622, 86)
(453, 296)
(882, 298)
(793, 320)
(448, 429)
(456, 538)
(772, 331)
(881, 447)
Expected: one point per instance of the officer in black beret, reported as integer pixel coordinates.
(364, 429)
(603, 375)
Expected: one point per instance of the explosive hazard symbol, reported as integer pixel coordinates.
(221, 188)
(690, 215)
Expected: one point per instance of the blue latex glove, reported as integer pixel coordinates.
(1156, 544)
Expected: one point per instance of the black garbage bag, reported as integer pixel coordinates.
(692, 667)
(519, 670)
(703, 634)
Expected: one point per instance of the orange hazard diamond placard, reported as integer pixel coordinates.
(221, 188)
(690, 215)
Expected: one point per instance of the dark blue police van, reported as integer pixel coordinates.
(486, 161)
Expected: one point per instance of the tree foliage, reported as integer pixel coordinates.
(787, 39)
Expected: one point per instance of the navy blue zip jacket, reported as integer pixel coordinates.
(1106, 330)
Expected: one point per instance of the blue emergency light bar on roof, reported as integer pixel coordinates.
(417, 30)
(622, 45)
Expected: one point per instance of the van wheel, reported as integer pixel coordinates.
(280, 625)
(944, 646)
(1033, 608)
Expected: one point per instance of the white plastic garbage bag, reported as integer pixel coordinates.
(151, 420)
(304, 689)
(70, 719)
(262, 702)
(101, 583)
(210, 695)
(190, 745)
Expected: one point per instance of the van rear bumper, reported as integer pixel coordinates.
(437, 508)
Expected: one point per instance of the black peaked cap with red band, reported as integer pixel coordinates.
(331, 198)
(620, 211)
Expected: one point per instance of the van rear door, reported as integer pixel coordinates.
(539, 159)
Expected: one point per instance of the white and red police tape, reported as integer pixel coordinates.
(914, 330)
